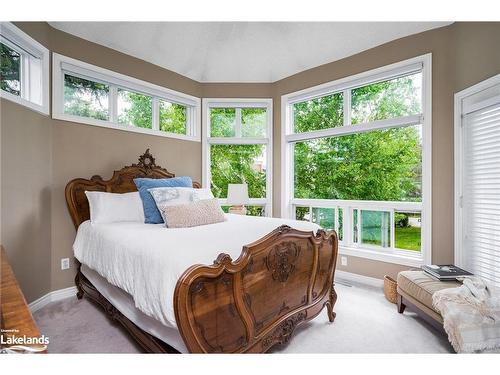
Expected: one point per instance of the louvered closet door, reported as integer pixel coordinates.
(481, 190)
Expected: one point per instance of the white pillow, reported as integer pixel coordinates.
(171, 196)
(202, 194)
(202, 212)
(115, 207)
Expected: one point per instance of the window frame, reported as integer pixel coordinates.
(267, 103)
(62, 65)
(288, 202)
(22, 43)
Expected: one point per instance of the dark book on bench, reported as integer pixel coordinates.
(445, 271)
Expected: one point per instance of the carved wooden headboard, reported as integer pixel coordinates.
(121, 182)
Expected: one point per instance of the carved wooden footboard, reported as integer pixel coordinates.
(243, 306)
(257, 301)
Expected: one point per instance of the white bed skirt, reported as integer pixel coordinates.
(124, 303)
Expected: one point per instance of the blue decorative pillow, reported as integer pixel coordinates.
(151, 213)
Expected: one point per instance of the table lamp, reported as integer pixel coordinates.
(237, 197)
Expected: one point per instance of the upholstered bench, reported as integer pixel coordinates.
(415, 290)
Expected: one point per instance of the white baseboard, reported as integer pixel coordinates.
(56, 295)
(354, 277)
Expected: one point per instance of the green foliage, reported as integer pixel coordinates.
(387, 99)
(90, 99)
(255, 211)
(85, 98)
(375, 165)
(139, 112)
(302, 213)
(236, 164)
(253, 122)
(138, 109)
(233, 164)
(10, 70)
(320, 113)
(173, 117)
(341, 224)
(401, 220)
(378, 165)
(222, 122)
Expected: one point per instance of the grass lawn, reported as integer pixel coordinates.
(408, 238)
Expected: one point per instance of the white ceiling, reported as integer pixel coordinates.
(242, 51)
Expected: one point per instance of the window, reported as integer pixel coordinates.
(477, 179)
(319, 113)
(91, 95)
(173, 117)
(11, 70)
(86, 98)
(387, 99)
(237, 149)
(135, 109)
(24, 69)
(357, 160)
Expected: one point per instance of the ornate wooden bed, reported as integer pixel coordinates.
(242, 306)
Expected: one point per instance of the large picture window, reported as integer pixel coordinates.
(237, 149)
(357, 160)
(91, 95)
(24, 69)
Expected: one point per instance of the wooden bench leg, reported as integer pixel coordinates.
(401, 305)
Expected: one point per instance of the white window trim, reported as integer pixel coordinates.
(268, 141)
(460, 111)
(62, 64)
(423, 63)
(27, 43)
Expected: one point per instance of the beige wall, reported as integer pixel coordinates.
(26, 196)
(26, 182)
(40, 155)
(237, 90)
(477, 52)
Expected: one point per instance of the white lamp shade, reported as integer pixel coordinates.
(237, 194)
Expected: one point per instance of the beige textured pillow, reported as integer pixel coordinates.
(206, 211)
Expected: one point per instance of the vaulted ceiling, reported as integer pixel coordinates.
(242, 51)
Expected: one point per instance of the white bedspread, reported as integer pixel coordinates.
(146, 260)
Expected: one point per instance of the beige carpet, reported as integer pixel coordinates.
(365, 323)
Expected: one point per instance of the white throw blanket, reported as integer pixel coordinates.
(471, 315)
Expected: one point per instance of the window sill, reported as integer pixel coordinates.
(127, 128)
(43, 109)
(395, 258)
